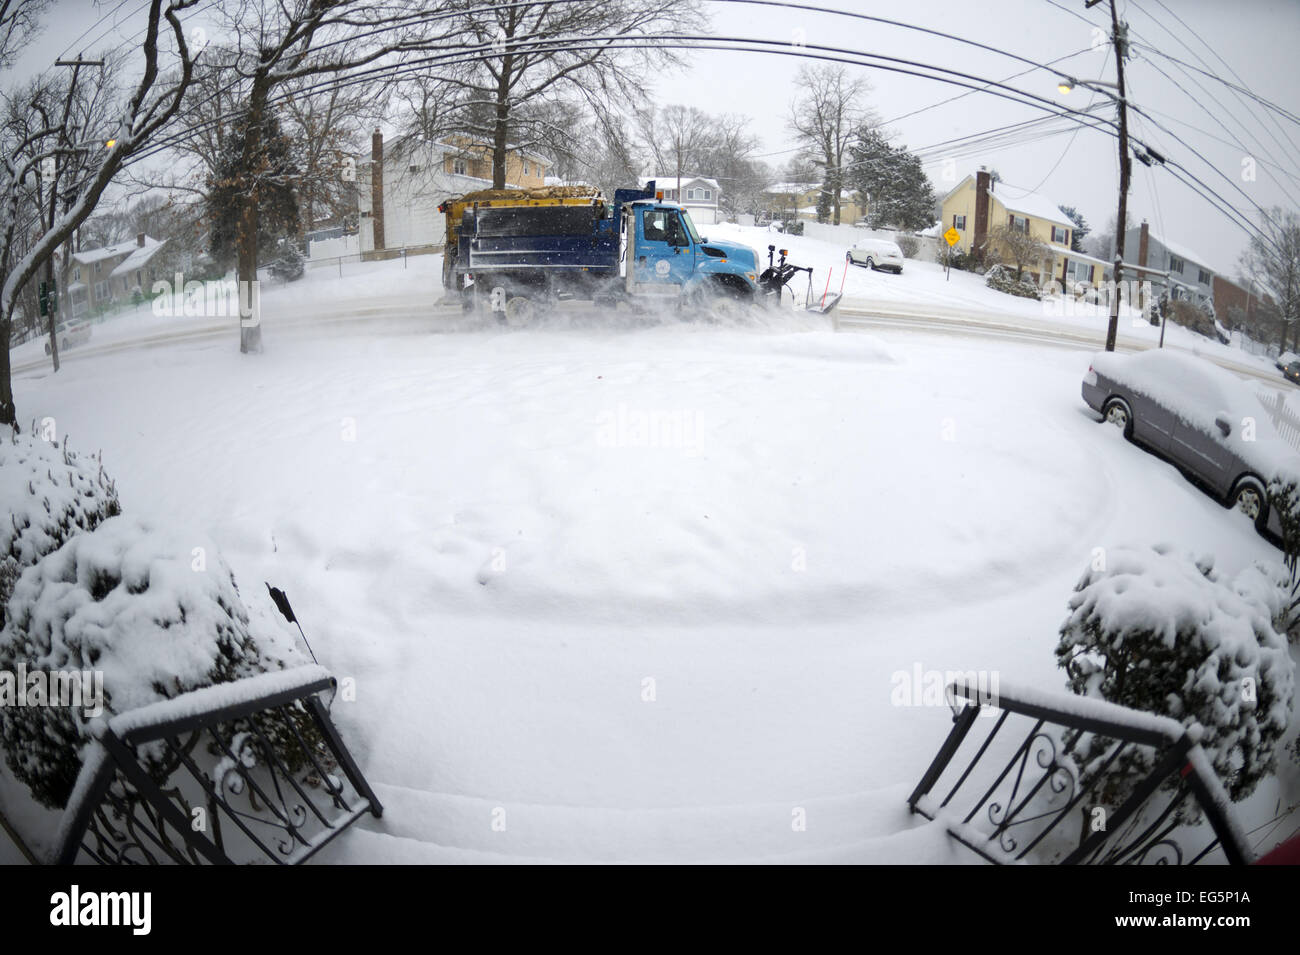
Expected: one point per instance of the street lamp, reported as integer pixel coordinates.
(1065, 84)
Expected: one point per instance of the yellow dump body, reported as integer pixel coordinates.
(454, 209)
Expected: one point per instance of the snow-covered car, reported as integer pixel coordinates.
(876, 254)
(1286, 358)
(1292, 371)
(72, 332)
(1198, 416)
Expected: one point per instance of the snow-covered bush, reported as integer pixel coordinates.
(909, 245)
(1159, 632)
(51, 494)
(147, 610)
(1004, 280)
(1284, 500)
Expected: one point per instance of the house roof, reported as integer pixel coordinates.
(90, 256)
(793, 188)
(1018, 200)
(1184, 253)
(1031, 204)
(673, 179)
(137, 259)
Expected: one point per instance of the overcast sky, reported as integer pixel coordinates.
(1255, 38)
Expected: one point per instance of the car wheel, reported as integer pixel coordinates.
(1117, 412)
(848, 257)
(871, 264)
(1250, 500)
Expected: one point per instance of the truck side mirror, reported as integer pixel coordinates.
(1224, 426)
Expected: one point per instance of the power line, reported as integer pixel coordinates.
(469, 53)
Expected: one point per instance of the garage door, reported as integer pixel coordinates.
(704, 215)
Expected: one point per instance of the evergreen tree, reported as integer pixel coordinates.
(1080, 227)
(897, 191)
(268, 173)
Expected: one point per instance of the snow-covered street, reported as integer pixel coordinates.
(639, 590)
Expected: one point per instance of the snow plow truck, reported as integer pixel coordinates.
(519, 252)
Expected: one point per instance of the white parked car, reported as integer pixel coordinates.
(876, 254)
(72, 332)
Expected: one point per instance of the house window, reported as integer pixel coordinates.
(459, 167)
(137, 278)
(76, 275)
(98, 267)
(412, 168)
(1020, 224)
(101, 290)
(525, 169)
(1058, 235)
(1203, 277)
(1176, 264)
(708, 194)
(959, 222)
(690, 193)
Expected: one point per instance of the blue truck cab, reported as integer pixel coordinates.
(665, 255)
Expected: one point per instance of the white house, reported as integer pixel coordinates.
(414, 176)
(96, 277)
(698, 195)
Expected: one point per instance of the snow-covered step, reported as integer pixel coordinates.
(426, 827)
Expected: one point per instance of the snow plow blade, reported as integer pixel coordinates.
(827, 306)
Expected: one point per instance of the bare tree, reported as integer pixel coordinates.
(730, 160)
(538, 52)
(70, 158)
(825, 118)
(1273, 263)
(20, 22)
(278, 43)
(1017, 248)
(678, 138)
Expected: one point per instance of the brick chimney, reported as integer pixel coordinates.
(377, 187)
(981, 208)
(1144, 242)
(139, 239)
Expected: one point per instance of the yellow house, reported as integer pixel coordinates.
(976, 207)
(801, 199)
(471, 157)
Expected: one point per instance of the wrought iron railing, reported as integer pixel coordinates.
(1008, 794)
(244, 772)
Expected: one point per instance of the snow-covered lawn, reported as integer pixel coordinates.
(923, 288)
(638, 593)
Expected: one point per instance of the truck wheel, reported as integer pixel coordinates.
(520, 311)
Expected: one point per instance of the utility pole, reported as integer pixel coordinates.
(1119, 36)
(50, 295)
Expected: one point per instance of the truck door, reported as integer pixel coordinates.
(664, 258)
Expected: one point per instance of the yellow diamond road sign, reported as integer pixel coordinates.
(953, 236)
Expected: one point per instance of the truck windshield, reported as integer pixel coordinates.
(690, 227)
